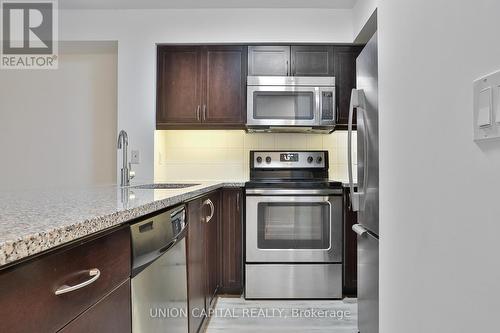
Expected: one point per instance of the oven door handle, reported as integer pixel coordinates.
(260, 191)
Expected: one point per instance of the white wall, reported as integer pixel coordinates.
(137, 32)
(58, 127)
(440, 211)
(361, 12)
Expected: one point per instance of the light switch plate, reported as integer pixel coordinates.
(486, 120)
(485, 105)
(134, 158)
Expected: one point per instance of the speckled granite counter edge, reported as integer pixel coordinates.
(31, 244)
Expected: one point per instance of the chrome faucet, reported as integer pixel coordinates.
(126, 173)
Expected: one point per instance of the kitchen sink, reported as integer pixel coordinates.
(163, 186)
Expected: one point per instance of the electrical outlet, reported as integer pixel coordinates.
(134, 158)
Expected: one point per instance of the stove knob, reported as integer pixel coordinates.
(319, 159)
(310, 159)
(268, 159)
(259, 159)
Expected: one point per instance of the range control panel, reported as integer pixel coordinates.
(288, 159)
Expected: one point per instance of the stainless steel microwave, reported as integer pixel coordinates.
(290, 104)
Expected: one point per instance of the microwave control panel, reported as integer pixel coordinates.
(327, 105)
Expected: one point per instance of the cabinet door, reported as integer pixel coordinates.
(269, 60)
(28, 301)
(350, 248)
(224, 80)
(195, 265)
(178, 85)
(312, 60)
(212, 246)
(345, 76)
(110, 315)
(231, 242)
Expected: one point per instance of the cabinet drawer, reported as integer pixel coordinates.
(28, 300)
(110, 315)
(282, 281)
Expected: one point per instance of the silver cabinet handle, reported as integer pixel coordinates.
(359, 229)
(286, 68)
(94, 274)
(212, 209)
(198, 112)
(204, 111)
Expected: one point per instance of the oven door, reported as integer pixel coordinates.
(283, 106)
(293, 228)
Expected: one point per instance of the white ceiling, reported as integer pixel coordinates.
(179, 4)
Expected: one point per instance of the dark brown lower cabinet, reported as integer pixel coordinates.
(350, 248)
(231, 242)
(28, 301)
(212, 247)
(213, 251)
(196, 265)
(110, 315)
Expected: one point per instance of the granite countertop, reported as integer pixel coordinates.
(35, 221)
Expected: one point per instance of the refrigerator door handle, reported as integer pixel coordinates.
(359, 229)
(355, 96)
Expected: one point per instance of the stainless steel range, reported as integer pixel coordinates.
(293, 227)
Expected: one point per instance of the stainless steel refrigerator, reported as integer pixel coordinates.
(364, 101)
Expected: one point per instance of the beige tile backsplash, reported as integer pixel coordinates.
(215, 155)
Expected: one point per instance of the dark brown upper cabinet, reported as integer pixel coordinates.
(179, 85)
(269, 60)
(295, 60)
(312, 60)
(224, 101)
(204, 86)
(201, 86)
(345, 81)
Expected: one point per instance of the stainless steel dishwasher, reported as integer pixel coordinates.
(159, 277)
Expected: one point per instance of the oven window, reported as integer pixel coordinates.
(283, 105)
(299, 225)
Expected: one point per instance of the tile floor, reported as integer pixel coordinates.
(237, 315)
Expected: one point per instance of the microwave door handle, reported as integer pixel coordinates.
(318, 106)
(355, 95)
